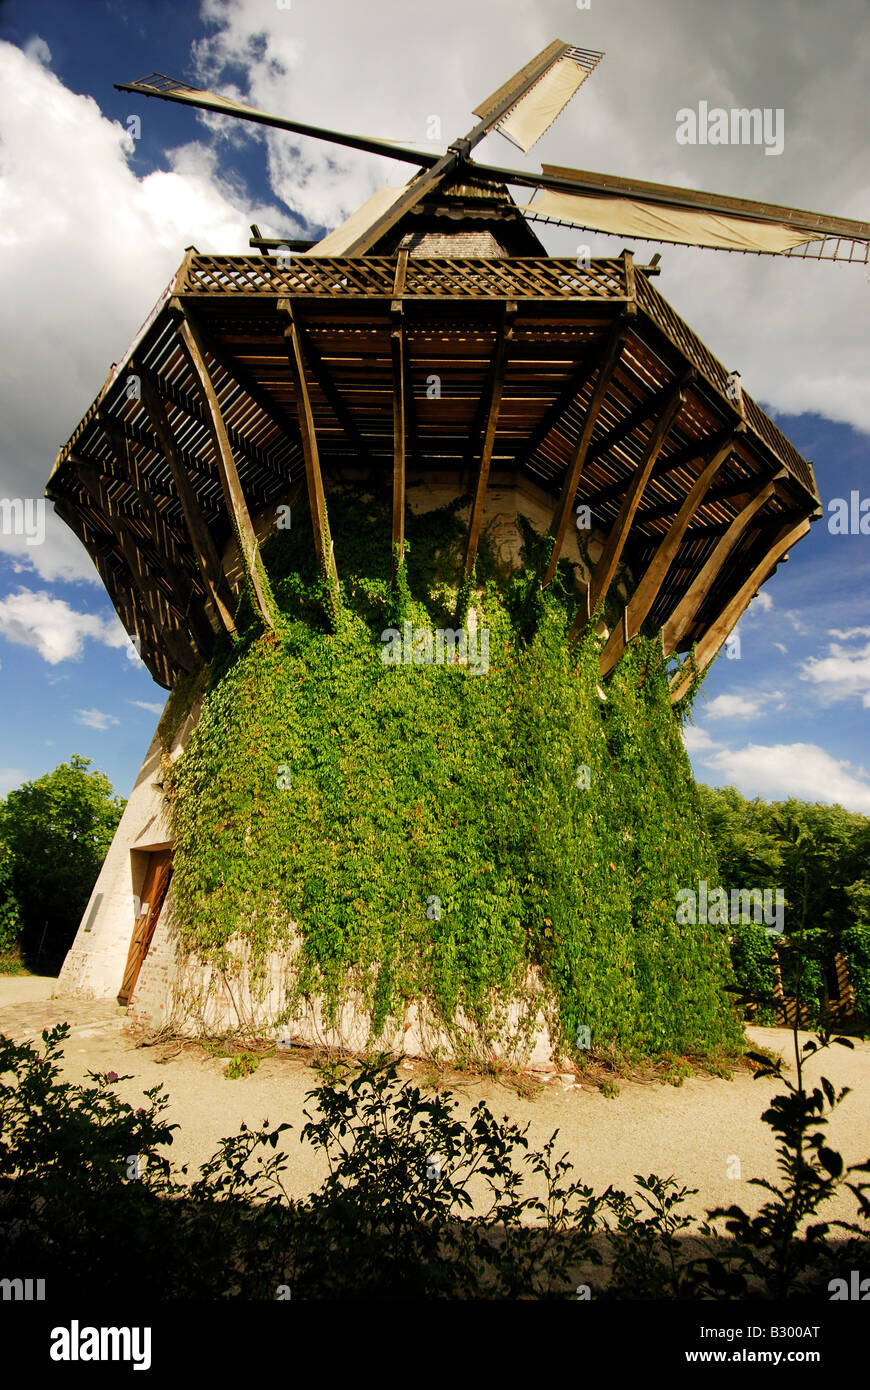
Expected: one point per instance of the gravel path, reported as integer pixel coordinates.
(706, 1132)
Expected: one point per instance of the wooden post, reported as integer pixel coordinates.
(496, 387)
(608, 560)
(201, 541)
(559, 523)
(313, 476)
(678, 623)
(397, 353)
(717, 632)
(645, 594)
(234, 496)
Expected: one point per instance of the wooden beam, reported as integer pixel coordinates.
(680, 620)
(203, 546)
(313, 475)
(188, 601)
(234, 496)
(608, 560)
(730, 615)
(498, 368)
(690, 453)
(572, 389)
(397, 355)
(121, 432)
(559, 523)
(647, 590)
(272, 409)
(155, 601)
(133, 617)
(324, 379)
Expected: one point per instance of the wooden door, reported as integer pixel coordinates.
(157, 875)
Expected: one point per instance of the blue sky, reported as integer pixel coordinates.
(96, 222)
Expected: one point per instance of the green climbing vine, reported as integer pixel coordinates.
(431, 829)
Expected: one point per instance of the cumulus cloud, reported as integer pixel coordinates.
(37, 48)
(51, 626)
(733, 706)
(10, 778)
(802, 770)
(151, 706)
(697, 740)
(86, 248)
(95, 719)
(843, 674)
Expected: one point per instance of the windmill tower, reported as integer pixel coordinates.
(427, 354)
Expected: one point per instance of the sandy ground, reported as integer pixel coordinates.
(699, 1131)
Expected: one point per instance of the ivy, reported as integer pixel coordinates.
(426, 832)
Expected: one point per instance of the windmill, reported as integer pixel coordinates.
(522, 110)
(430, 349)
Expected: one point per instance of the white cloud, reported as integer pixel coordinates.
(10, 778)
(733, 706)
(697, 740)
(780, 646)
(845, 634)
(842, 674)
(52, 627)
(95, 719)
(802, 770)
(86, 247)
(148, 705)
(38, 49)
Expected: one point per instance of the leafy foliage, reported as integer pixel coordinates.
(820, 856)
(326, 800)
(418, 1202)
(57, 830)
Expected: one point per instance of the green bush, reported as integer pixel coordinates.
(417, 1203)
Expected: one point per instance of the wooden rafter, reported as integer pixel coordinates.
(234, 496)
(718, 631)
(187, 598)
(647, 590)
(203, 546)
(498, 368)
(680, 619)
(313, 475)
(570, 393)
(133, 616)
(155, 601)
(323, 377)
(608, 560)
(576, 463)
(690, 453)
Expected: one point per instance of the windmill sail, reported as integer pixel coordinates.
(545, 100)
(661, 212)
(657, 222)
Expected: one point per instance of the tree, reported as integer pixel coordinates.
(819, 855)
(10, 916)
(57, 830)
